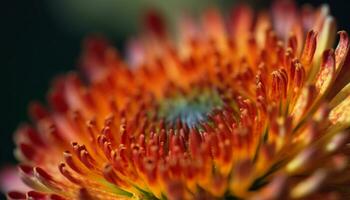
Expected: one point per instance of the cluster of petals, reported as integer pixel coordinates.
(278, 133)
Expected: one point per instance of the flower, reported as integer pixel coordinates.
(245, 108)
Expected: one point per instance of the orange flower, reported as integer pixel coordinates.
(250, 108)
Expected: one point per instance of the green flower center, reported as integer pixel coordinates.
(191, 108)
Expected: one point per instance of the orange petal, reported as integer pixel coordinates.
(326, 74)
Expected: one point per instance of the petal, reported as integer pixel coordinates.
(340, 114)
(309, 48)
(341, 96)
(342, 59)
(303, 103)
(325, 41)
(11, 181)
(309, 185)
(326, 74)
(342, 50)
(284, 15)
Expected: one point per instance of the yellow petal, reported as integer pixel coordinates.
(309, 185)
(340, 114)
(303, 103)
(343, 94)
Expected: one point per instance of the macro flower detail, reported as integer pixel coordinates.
(252, 106)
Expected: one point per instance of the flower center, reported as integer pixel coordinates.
(191, 108)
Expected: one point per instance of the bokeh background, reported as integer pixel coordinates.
(42, 38)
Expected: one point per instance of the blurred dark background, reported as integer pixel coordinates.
(40, 39)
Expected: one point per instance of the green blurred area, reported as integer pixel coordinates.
(121, 17)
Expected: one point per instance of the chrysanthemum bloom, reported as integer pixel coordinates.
(250, 108)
